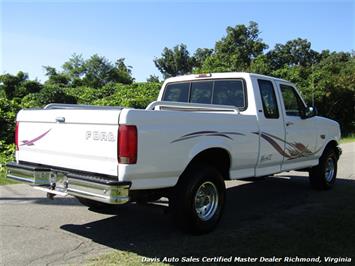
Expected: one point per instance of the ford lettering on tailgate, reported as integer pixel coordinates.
(100, 136)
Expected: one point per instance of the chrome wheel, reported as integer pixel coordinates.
(206, 201)
(329, 169)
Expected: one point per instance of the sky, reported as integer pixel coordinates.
(46, 33)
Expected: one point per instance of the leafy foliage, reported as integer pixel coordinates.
(296, 52)
(55, 78)
(200, 55)
(8, 111)
(18, 86)
(153, 78)
(175, 62)
(137, 95)
(94, 72)
(236, 51)
(49, 94)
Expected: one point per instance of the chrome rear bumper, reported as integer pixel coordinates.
(63, 182)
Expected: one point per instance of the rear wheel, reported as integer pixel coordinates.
(323, 175)
(198, 200)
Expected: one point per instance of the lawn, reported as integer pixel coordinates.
(348, 139)
(4, 180)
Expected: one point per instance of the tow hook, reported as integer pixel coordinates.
(52, 187)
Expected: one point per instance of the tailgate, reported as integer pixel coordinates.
(84, 140)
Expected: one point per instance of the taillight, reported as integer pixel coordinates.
(16, 134)
(127, 144)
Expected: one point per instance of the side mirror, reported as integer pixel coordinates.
(310, 112)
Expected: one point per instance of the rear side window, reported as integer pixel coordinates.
(177, 92)
(229, 92)
(201, 92)
(268, 99)
(220, 91)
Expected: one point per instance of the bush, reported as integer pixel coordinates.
(87, 95)
(8, 111)
(49, 94)
(137, 95)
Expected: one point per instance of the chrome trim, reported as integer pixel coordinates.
(52, 106)
(65, 183)
(32, 175)
(194, 106)
(112, 194)
(206, 201)
(329, 169)
(60, 119)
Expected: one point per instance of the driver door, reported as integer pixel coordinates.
(300, 141)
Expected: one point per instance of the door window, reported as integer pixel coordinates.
(292, 101)
(268, 99)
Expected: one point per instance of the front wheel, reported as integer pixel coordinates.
(198, 199)
(323, 176)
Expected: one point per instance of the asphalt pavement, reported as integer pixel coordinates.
(35, 230)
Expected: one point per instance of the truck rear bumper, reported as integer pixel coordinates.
(65, 182)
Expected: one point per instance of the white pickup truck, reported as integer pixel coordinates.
(202, 130)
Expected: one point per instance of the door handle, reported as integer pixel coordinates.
(289, 123)
(60, 119)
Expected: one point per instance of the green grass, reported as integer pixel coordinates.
(348, 139)
(4, 180)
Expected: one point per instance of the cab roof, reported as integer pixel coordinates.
(219, 75)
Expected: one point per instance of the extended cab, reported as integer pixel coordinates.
(202, 130)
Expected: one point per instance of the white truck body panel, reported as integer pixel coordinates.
(160, 135)
(86, 141)
(169, 139)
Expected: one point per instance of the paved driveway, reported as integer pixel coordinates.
(38, 231)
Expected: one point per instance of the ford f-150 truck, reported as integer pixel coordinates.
(202, 130)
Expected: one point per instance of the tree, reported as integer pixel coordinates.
(11, 84)
(75, 69)
(94, 72)
(98, 71)
(153, 79)
(296, 52)
(122, 73)
(174, 62)
(236, 51)
(333, 85)
(260, 65)
(55, 77)
(75, 66)
(200, 55)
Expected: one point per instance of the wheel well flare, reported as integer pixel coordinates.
(216, 157)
